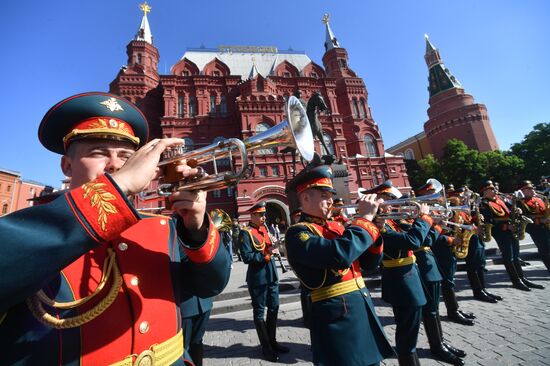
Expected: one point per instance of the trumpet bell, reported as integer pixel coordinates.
(295, 132)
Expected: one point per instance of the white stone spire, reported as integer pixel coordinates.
(330, 40)
(144, 32)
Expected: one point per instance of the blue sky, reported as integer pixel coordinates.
(498, 49)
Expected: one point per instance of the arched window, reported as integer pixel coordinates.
(224, 161)
(4, 208)
(355, 108)
(370, 146)
(374, 179)
(223, 105)
(212, 103)
(363, 108)
(328, 141)
(181, 106)
(189, 144)
(192, 106)
(261, 127)
(409, 154)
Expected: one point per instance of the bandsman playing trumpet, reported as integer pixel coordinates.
(401, 285)
(86, 279)
(328, 258)
(535, 206)
(445, 249)
(475, 258)
(497, 212)
(431, 280)
(337, 213)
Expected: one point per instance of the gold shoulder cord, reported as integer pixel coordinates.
(315, 231)
(259, 247)
(35, 302)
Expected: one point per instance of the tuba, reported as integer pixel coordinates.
(294, 132)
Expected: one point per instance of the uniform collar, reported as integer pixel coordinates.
(313, 219)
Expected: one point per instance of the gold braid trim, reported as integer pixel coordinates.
(34, 303)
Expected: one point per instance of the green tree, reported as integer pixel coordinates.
(460, 164)
(502, 167)
(429, 168)
(534, 150)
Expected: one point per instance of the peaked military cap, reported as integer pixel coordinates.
(296, 211)
(92, 115)
(486, 185)
(423, 189)
(319, 177)
(455, 192)
(384, 188)
(526, 184)
(258, 208)
(339, 201)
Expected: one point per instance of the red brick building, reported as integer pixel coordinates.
(232, 91)
(453, 114)
(16, 192)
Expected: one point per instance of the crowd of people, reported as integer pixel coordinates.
(88, 279)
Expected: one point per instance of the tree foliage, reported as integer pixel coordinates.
(461, 166)
(534, 149)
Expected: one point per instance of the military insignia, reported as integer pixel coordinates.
(100, 198)
(113, 123)
(304, 236)
(112, 105)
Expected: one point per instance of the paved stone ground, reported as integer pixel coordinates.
(515, 331)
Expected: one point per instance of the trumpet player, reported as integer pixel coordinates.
(444, 250)
(327, 258)
(497, 212)
(111, 276)
(401, 285)
(431, 280)
(475, 260)
(536, 208)
(262, 279)
(337, 213)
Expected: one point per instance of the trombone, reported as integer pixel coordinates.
(294, 132)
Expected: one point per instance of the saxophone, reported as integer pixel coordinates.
(518, 221)
(464, 232)
(483, 228)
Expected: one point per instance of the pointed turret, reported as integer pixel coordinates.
(330, 40)
(440, 78)
(144, 32)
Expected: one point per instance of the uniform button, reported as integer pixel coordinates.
(144, 327)
(163, 222)
(122, 247)
(134, 281)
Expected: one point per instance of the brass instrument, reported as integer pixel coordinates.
(408, 208)
(275, 243)
(518, 221)
(294, 132)
(484, 229)
(464, 232)
(221, 219)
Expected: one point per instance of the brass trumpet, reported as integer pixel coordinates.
(294, 132)
(408, 207)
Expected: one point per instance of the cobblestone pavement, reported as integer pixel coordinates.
(515, 331)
